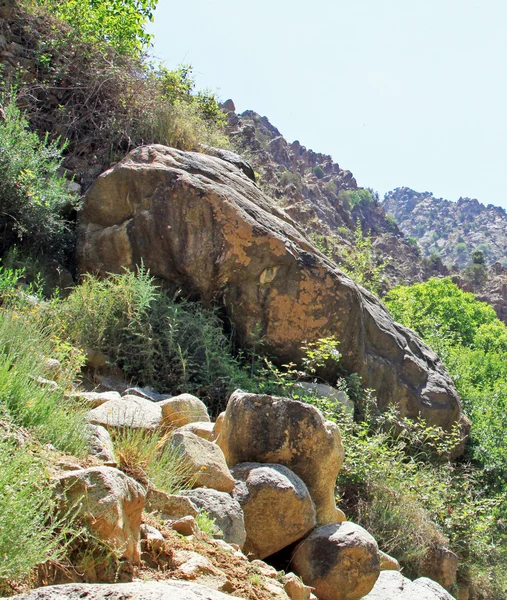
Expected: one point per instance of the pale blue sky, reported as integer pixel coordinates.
(399, 92)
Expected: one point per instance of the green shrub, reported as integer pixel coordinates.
(29, 532)
(32, 194)
(318, 171)
(157, 339)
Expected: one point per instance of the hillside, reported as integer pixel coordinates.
(451, 229)
(202, 394)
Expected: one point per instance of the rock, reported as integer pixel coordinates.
(183, 409)
(225, 510)
(441, 565)
(277, 506)
(267, 429)
(233, 159)
(320, 390)
(204, 460)
(151, 538)
(340, 561)
(100, 444)
(148, 590)
(201, 429)
(95, 399)
(186, 526)
(52, 368)
(96, 359)
(170, 507)
(110, 503)
(295, 588)
(218, 235)
(129, 411)
(148, 393)
(264, 568)
(217, 428)
(392, 585)
(388, 563)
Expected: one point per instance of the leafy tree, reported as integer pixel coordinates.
(478, 257)
(118, 23)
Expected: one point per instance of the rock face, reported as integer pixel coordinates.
(340, 561)
(226, 512)
(200, 223)
(150, 590)
(392, 585)
(110, 503)
(267, 429)
(277, 506)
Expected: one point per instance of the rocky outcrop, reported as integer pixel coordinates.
(277, 506)
(201, 224)
(267, 429)
(340, 561)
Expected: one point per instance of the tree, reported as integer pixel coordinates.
(478, 257)
(116, 23)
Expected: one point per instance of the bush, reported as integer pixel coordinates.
(157, 339)
(32, 194)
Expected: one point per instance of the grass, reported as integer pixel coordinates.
(145, 456)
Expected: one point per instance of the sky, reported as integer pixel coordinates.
(401, 93)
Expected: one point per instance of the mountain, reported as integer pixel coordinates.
(451, 229)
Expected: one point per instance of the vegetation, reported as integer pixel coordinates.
(33, 195)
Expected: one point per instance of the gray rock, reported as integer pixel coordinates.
(95, 399)
(100, 444)
(128, 411)
(149, 590)
(277, 506)
(392, 585)
(225, 510)
(171, 507)
(322, 390)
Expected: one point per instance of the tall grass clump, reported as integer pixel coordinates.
(158, 339)
(29, 532)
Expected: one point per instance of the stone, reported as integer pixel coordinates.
(392, 585)
(52, 368)
(441, 565)
(170, 507)
(295, 588)
(205, 461)
(183, 409)
(226, 512)
(146, 392)
(148, 590)
(217, 428)
(96, 359)
(321, 390)
(388, 563)
(151, 538)
(277, 506)
(186, 526)
(218, 235)
(265, 569)
(201, 429)
(130, 412)
(100, 444)
(267, 429)
(340, 561)
(109, 502)
(95, 399)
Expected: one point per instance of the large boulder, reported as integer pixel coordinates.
(267, 429)
(200, 223)
(138, 590)
(340, 561)
(183, 409)
(204, 460)
(225, 510)
(277, 506)
(392, 585)
(109, 502)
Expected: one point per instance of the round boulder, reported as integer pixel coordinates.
(340, 561)
(226, 512)
(267, 429)
(277, 506)
(183, 409)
